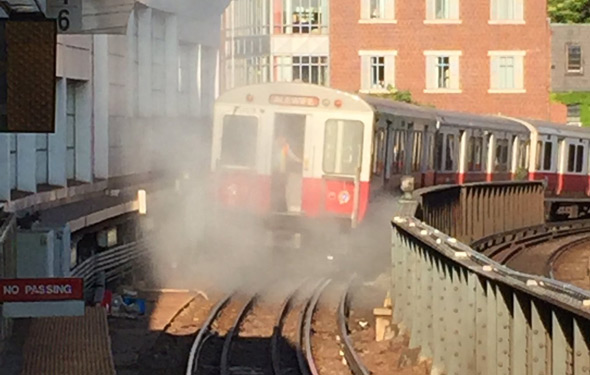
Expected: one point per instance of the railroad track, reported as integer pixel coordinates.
(255, 335)
(536, 250)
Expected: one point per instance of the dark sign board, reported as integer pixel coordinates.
(27, 76)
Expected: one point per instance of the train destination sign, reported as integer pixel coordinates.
(301, 101)
(36, 290)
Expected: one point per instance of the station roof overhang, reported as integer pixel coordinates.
(112, 16)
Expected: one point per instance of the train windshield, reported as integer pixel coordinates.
(342, 146)
(238, 142)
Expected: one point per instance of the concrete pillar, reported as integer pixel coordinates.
(131, 68)
(101, 106)
(26, 162)
(196, 81)
(171, 63)
(57, 141)
(144, 48)
(84, 132)
(5, 167)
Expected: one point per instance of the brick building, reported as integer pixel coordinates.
(485, 56)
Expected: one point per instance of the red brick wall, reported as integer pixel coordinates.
(559, 113)
(474, 36)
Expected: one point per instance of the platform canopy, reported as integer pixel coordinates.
(111, 16)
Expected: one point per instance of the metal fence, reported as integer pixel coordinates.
(472, 211)
(113, 262)
(7, 263)
(471, 315)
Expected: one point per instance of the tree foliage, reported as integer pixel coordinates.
(569, 11)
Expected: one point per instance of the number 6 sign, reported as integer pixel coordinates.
(67, 13)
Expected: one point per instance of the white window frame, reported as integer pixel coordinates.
(388, 9)
(431, 76)
(454, 13)
(366, 69)
(518, 11)
(519, 72)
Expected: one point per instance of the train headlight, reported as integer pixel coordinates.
(344, 197)
(232, 190)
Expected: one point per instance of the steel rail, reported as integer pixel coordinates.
(204, 333)
(278, 331)
(562, 250)
(234, 330)
(353, 360)
(306, 331)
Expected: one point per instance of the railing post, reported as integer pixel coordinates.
(581, 347)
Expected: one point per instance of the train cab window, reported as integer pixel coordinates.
(238, 142)
(575, 159)
(475, 153)
(342, 146)
(450, 154)
(501, 161)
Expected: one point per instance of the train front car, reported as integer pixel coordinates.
(292, 157)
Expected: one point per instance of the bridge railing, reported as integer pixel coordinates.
(472, 211)
(471, 315)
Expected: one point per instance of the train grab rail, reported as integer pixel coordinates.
(470, 314)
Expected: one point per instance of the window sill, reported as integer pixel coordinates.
(506, 22)
(506, 91)
(443, 91)
(377, 21)
(574, 73)
(443, 22)
(374, 91)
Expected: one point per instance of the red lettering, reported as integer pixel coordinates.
(300, 101)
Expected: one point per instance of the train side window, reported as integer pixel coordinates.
(580, 159)
(475, 154)
(547, 156)
(571, 158)
(238, 142)
(417, 152)
(399, 151)
(501, 155)
(450, 155)
(523, 153)
(342, 146)
(379, 153)
(438, 151)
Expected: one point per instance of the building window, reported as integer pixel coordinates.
(574, 58)
(378, 10)
(42, 159)
(377, 70)
(442, 71)
(71, 130)
(506, 11)
(442, 10)
(507, 71)
(158, 63)
(310, 69)
(303, 16)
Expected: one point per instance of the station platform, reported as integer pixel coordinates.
(63, 345)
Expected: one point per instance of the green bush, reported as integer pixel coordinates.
(581, 97)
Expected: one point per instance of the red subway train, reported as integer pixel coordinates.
(292, 151)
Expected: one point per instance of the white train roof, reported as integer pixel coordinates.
(455, 118)
(560, 130)
(304, 95)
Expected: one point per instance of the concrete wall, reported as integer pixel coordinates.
(562, 35)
